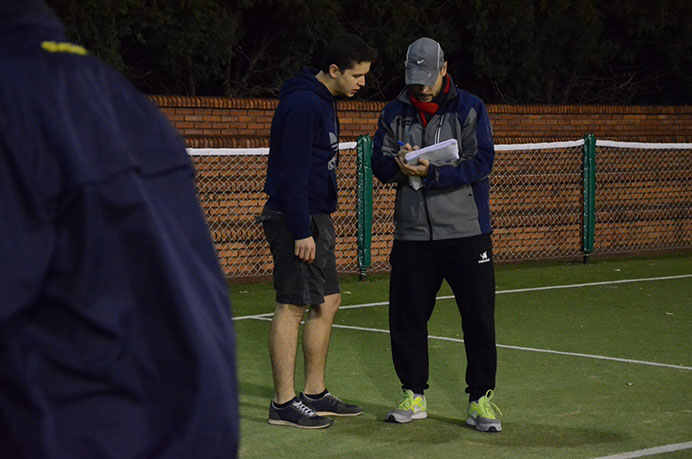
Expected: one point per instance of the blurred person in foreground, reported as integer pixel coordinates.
(442, 230)
(302, 188)
(116, 339)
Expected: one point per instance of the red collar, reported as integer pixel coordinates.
(428, 108)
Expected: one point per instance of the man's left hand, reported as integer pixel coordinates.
(419, 170)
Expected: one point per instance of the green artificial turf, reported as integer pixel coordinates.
(553, 404)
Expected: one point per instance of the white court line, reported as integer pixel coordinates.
(516, 348)
(589, 284)
(532, 349)
(650, 451)
(500, 292)
(268, 315)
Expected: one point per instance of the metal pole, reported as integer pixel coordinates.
(589, 200)
(363, 155)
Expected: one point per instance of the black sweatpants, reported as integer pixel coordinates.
(418, 269)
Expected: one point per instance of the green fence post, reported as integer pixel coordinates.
(364, 153)
(589, 216)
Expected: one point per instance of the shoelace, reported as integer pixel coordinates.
(406, 400)
(303, 409)
(486, 405)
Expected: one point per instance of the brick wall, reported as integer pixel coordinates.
(641, 124)
(209, 122)
(245, 123)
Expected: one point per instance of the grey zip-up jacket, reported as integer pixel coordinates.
(453, 202)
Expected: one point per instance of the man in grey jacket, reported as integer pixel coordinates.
(443, 229)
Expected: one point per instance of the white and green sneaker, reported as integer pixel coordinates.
(481, 414)
(412, 406)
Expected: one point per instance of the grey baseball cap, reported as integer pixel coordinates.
(424, 59)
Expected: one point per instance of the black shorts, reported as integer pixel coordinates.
(296, 282)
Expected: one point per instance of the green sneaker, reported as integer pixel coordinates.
(412, 406)
(481, 414)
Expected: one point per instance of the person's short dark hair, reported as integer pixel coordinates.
(345, 51)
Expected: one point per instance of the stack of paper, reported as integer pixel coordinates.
(445, 152)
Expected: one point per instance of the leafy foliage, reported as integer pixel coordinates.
(506, 51)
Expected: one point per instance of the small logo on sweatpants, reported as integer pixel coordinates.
(484, 258)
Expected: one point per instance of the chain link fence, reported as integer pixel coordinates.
(536, 201)
(643, 197)
(643, 201)
(229, 185)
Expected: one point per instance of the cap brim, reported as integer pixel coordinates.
(421, 76)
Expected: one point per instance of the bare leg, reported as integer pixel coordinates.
(316, 335)
(283, 343)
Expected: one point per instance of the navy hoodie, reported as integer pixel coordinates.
(303, 153)
(116, 338)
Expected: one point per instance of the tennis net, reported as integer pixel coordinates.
(642, 201)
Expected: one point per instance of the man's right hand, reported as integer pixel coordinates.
(305, 249)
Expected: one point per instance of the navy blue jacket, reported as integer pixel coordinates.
(303, 153)
(116, 338)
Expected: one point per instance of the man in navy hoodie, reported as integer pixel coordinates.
(116, 339)
(302, 189)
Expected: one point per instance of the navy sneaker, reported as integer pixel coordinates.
(297, 415)
(329, 405)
